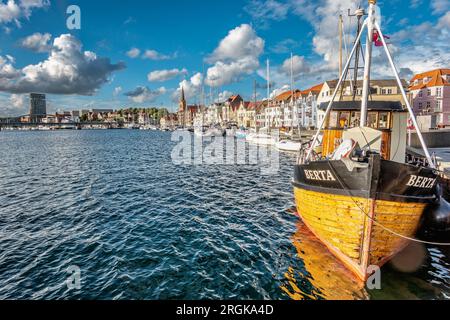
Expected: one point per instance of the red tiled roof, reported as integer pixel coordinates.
(436, 79)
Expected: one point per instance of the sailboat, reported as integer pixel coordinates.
(263, 137)
(361, 198)
(290, 145)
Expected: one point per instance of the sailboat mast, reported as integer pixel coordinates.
(341, 22)
(292, 92)
(368, 62)
(268, 88)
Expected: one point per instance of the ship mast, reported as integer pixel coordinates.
(368, 62)
(372, 24)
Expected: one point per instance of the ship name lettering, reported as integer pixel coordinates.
(421, 182)
(319, 175)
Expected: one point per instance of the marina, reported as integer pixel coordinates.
(292, 150)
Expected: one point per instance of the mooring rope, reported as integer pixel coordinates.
(381, 225)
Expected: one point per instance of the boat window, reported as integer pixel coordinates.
(372, 120)
(355, 119)
(344, 119)
(333, 120)
(383, 122)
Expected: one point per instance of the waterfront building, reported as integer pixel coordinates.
(380, 90)
(230, 109)
(186, 113)
(308, 107)
(430, 94)
(260, 114)
(38, 107)
(169, 121)
(214, 114)
(246, 114)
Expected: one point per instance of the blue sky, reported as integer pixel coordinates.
(194, 44)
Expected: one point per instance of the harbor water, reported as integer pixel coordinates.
(112, 205)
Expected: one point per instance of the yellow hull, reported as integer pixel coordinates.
(360, 232)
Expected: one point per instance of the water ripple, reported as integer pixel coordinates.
(138, 227)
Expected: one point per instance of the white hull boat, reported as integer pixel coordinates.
(289, 146)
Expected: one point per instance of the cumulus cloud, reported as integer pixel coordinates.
(192, 87)
(224, 95)
(149, 54)
(262, 12)
(236, 55)
(133, 53)
(299, 66)
(440, 6)
(280, 90)
(17, 100)
(164, 75)
(37, 42)
(13, 11)
(67, 70)
(155, 55)
(144, 94)
(285, 46)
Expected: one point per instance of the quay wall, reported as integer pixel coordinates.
(433, 139)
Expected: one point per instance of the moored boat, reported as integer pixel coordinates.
(288, 146)
(359, 196)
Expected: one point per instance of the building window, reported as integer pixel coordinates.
(420, 106)
(439, 92)
(389, 91)
(383, 122)
(420, 94)
(428, 106)
(372, 120)
(438, 106)
(383, 91)
(429, 92)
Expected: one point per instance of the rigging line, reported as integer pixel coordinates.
(378, 223)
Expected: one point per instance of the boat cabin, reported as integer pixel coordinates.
(385, 132)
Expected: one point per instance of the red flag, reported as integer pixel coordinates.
(377, 39)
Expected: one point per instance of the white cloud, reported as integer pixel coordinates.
(14, 11)
(18, 100)
(117, 91)
(67, 70)
(262, 12)
(279, 91)
(440, 6)
(224, 95)
(37, 42)
(192, 87)
(299, 66)
(237, 55)
(285, 46)
(144, 94)
(164, 75)
(9, 12)
(133, 53)
(154, 55)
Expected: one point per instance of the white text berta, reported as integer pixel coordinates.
(421, 182)
(319, 175)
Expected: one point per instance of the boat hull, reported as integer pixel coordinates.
(364, 215)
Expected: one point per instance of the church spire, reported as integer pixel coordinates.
(182, 99)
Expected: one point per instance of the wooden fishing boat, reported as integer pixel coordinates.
(359, 196)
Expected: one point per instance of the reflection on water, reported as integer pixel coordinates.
(321, 275)
(416, 273)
